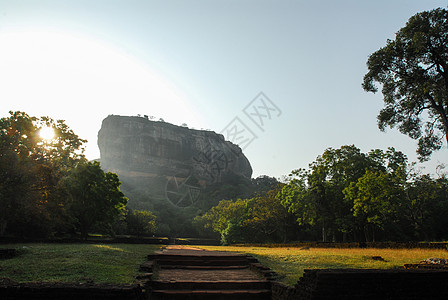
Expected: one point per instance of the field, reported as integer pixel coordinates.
(115, 264)
(119, 263)
(289, 263)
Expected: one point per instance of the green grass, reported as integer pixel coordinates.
(114, 264)
(290, 263)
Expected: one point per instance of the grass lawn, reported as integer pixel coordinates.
(290, 263)
(115, 264)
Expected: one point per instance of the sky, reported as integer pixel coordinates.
(287, 73)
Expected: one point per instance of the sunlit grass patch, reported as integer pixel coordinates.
(75, 262)
(290, 263)
(108, 247)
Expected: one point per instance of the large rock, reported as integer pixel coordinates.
(135, 147)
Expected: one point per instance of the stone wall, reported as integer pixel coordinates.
(366, 284)
(65, 291)
(314, 285)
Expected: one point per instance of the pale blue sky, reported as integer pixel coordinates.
(201, 63)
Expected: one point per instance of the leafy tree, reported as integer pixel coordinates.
(295, 197)
(413, 71)
(259, 219)
(220, 216)
(316, 196)
(264, 184)
(425, 207)
(30, 171)
(94, 196)
(375, 197)
(267, 219)
(141, 222)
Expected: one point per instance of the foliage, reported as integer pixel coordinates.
(30, 170)
(141, 222)
(263, 184)
(347, 192)
(222, 217)
(261, 218)
(94, 196)
(47, 186)
(375, 198)
(426, 207)
(413, 72)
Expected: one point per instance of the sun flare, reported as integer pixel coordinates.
(46, 133)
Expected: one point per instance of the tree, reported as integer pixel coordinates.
(94, 196)
(426, 207)
(413, 71)
(295, 197)
(267, 219)
(316, 196)
(375, 198)
(30, 170)
(263, 184)
(218, 217)
(141, 222)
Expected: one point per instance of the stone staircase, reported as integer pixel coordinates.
(188, 273)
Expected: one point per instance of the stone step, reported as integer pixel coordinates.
(189, 267)
(211, 294)
(202, 262)
(211, 285)
(162, 255)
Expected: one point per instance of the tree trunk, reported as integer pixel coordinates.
(3, 224)
(324, 233)
(366, 232)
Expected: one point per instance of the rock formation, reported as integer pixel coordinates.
(136, 147)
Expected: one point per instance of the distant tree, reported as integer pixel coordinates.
(264, 183)
(184, 125)
(413, 71)
(376, 197)
(316, 196)
(224, 218)
(425, 207)
(94, 196)
(296, 198)
(267, 219)
(141, 222)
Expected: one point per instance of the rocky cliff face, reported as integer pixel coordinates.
(139, 148)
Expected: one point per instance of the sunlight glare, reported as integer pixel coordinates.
(83, 80)
(46, 133)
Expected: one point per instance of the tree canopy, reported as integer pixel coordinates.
(94, 196)
(47, 185)
(345, 191)
(413, 72)
(30, 170)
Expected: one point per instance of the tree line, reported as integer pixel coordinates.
(48, 187)
(344, 195)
